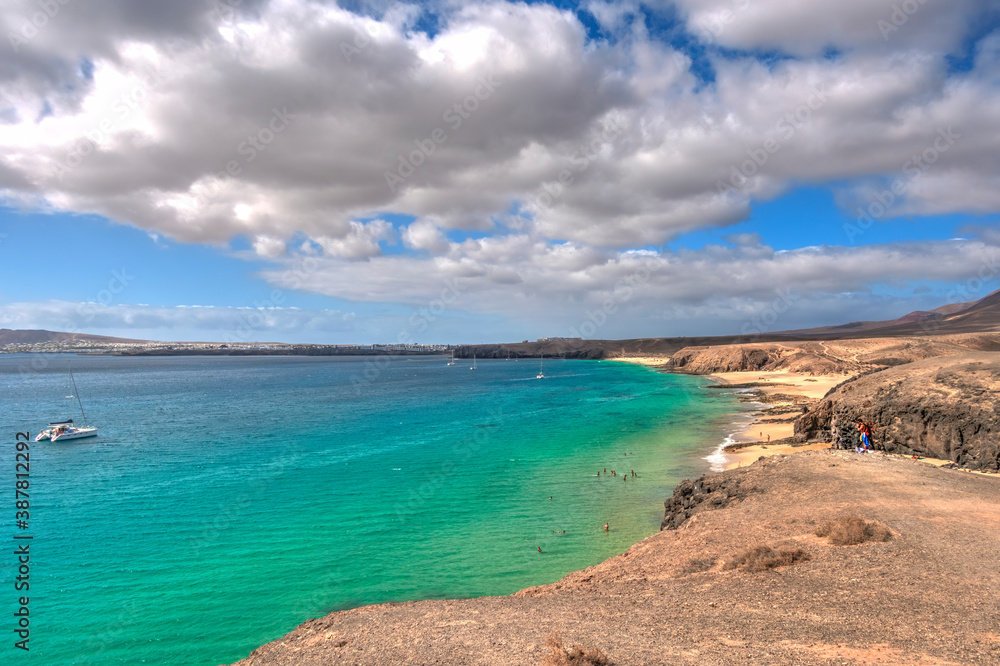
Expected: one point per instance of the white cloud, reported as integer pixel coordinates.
(522, 278)
(810, 28)
(266, 246)
(309, 106)
(425, 235)
(361, 241)
(280, 121)
(214, 323)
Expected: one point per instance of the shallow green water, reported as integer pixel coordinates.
(229, 499)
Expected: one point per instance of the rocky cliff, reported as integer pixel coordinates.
(946, 407)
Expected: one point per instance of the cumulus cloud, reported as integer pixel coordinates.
(228, 324)
(810, 28)
(425, 235)
(537, 281)
(361, 241)
(563, 154)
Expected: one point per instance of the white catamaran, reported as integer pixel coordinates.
(61, 431)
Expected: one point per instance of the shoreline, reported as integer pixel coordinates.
(770, 425)
(697, 569)
(785, 395)
(779, 397)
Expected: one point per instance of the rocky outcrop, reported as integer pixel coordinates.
(727, 358)
(946, 407)
(712, 491)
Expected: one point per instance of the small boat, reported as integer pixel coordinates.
(452, 361)
(474, 365)
(540, 375)
(61, 431)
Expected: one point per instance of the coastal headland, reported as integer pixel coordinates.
(802, 552)
(823, 556)
(748, 569)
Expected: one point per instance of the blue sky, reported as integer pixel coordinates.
(494, 171)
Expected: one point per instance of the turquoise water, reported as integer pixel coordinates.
(229, 499)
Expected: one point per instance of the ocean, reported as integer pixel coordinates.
(228, 499)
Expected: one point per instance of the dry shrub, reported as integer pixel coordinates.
(574, 656)
(698, 565)
(852, 530)
(761, 558)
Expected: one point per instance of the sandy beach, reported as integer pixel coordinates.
(786, 393)
(651, 361)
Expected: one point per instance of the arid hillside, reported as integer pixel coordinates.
(827, 356)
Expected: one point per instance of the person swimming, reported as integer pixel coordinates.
(605, 527)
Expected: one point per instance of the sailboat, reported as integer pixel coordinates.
(60, 431)
(540, 375)
(474, 365)
(452, 361)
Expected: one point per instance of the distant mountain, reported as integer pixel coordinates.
(39, 336)
(980, 317)
(951, 318)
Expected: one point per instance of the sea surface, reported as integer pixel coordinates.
(228, 499)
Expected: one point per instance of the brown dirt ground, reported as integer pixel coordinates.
(927, 596)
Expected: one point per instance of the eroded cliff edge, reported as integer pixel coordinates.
(935, 396)
(946, 407)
